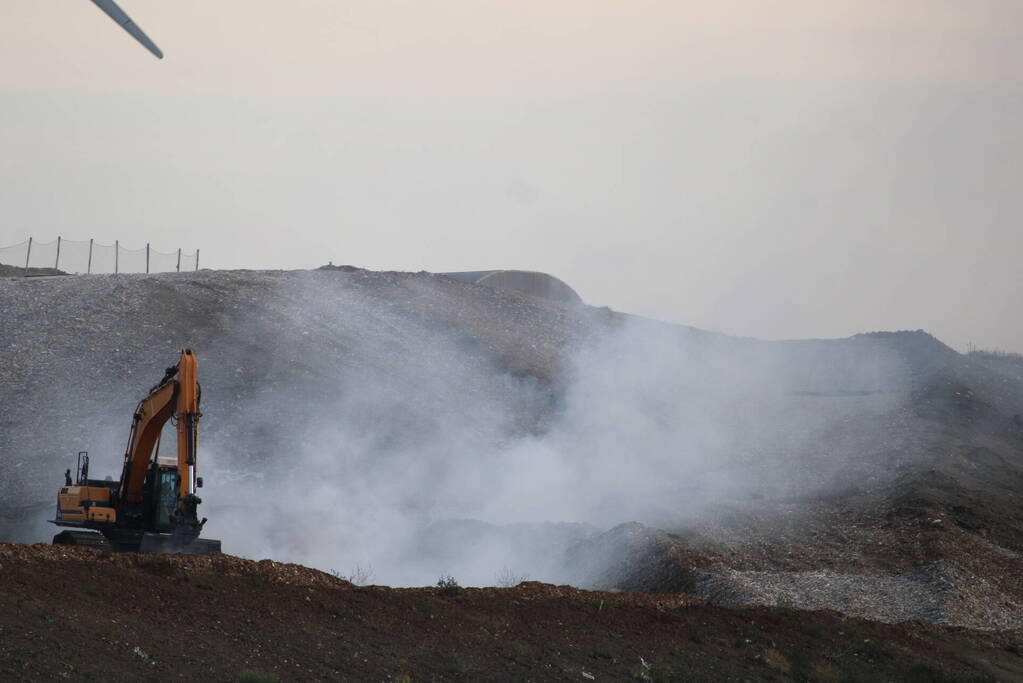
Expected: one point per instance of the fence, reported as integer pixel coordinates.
(80, 256)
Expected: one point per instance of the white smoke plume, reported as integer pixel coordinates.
(424, 460)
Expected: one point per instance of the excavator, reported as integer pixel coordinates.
(153, 507)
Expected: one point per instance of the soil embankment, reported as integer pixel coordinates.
(79, 614)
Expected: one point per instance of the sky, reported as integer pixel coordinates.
(767, 168)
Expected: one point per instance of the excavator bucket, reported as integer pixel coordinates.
(186, 545)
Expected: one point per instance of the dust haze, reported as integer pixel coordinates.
(437, 464)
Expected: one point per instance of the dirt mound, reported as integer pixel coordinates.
(268, 571)
(84, 615)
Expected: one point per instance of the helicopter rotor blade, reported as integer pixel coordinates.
(118, 15)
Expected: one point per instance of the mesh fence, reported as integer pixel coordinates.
(14, 255)
(88, 256)
(131, 260)
(74, 256)
(43, 255)
(104, 259)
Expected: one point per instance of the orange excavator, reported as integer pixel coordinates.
(153, 508)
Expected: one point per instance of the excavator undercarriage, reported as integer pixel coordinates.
(148, 543)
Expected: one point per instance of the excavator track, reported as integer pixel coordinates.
(163, 543)
(148, 543)
(86, 539)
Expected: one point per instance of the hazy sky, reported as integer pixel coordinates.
(786, 168)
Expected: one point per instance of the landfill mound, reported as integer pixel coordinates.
(879, 475)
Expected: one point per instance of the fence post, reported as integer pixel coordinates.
(88, 268)
(179, 259)
(197, 259)
(117, 254)
(28, 255)
(147, 258)
(56, 263)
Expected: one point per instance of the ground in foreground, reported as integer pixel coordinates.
(87, 615)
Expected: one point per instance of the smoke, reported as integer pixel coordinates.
(411, 452)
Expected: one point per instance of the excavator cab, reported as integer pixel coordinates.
(165, 484)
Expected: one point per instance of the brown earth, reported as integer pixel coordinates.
(80, 614)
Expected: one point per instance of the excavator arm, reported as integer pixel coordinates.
(177, 397)
(188, 421)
